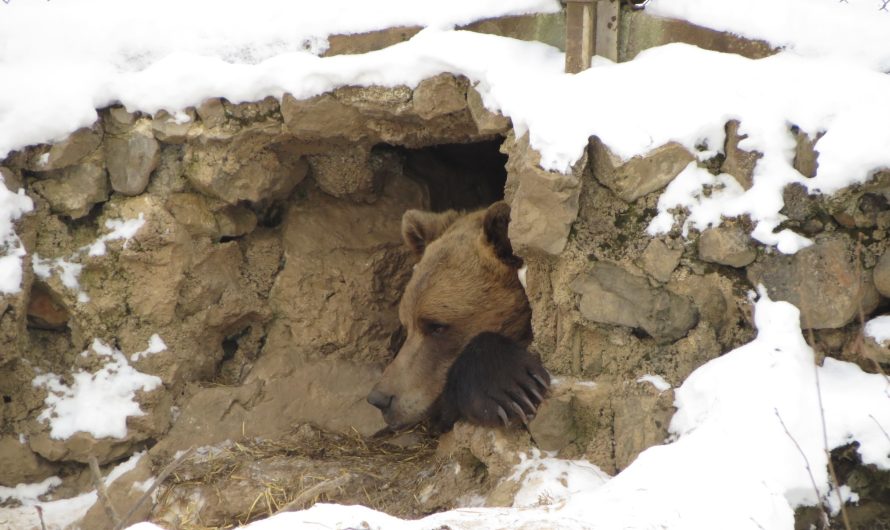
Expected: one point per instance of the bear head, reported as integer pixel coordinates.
(465, 283)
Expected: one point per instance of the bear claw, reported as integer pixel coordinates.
(494, 381)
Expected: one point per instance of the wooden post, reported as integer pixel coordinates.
(580, 34)
(607, 12)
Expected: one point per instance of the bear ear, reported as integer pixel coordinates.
(495, 224)
(420, 228)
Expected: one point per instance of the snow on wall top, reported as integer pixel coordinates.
(850, 30)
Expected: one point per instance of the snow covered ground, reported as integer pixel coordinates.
(735, 460)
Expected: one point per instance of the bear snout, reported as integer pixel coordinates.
(380, 400)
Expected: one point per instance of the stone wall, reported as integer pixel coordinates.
(270, 264)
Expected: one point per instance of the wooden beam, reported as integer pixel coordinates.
(581, 18)
(607, 12)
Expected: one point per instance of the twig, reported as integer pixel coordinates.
(315, 491)
(875, 419)
(102, 492)
(809, 470)
(40, 516)
(171, 467)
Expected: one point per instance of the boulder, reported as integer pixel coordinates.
(486, 121)
(172, 129)
(611, 295)
(824, 281)
(439, 95)
(257, 165)
(659, 260)
(131, 158)
(738, 162)
(726, 245)
(544, 204)
(74, 190)
(20, 464)
(641, 175)
(76, 147)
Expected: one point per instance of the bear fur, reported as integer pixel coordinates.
(464, 284)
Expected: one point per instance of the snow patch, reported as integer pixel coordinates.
(29, 493)
(155, 345)
(96, 403)
(657, 381)
(548, 481)
(120, 229)
(878, 328)
(13, 205)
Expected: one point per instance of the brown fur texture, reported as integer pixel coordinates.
(463, 285)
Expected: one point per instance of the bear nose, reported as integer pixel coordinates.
(379, 399)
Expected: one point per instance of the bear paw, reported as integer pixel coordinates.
(493, 381)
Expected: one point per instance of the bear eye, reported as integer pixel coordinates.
(431, 327)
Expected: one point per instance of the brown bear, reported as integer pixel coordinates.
(468, 321)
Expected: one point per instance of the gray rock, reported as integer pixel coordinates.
(881, 274)
(131, 159)
(438, 96)
(738, 163)
(256, 165)
(80, 144)
(641, 175)
(726, 245)
(170, 130)
(11, 179)
(611, 295)
(212, 112)
(344, 172)
(119, 120)
(822, 280)
(74, 190)
(322, 117)
(544, 204)
(20, 465)
(659, 260)
(806, 158)
(486, 121)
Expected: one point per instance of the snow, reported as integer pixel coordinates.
(120, 229)
(96, 403)
(548, 481)
(58, 513)
(12, 206)
(878, 328)
(69, 269)
(155, 345)
(859, 30)
(657, 381)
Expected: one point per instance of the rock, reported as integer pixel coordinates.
(45, 311)
(322, 117)
(439, 95)
(610, 295)
(659, 260)
(123, 494)
(554, 425)
(863, 206)
(726, 245)
(344, 172)
(119, 120)
(486, 121)
(879, 353)
(641, 418)
(738, 163)
(257, 165)
(74, 191)
(172, 129)
(822, 280)
(544, 204)
(798, 204)
(806, 158)
(881, 274)
(345, 269)
(79, 144)
(79, 447)
(212, 112)
(131, 158)
(355, 43)
(11, 179)
(253, 111)
(195, 212)
(641, 175)
(19, 463)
